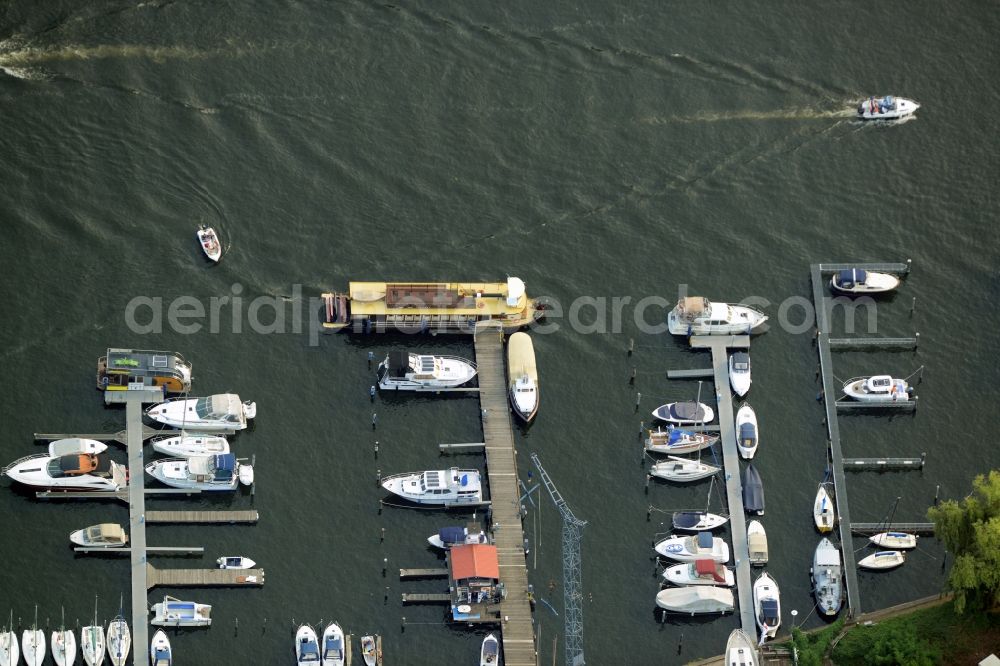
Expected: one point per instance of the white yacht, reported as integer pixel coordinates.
(188, 446)
(697, 521)
(306, 646)
(333, 645)
(739, 372)
(699, 572)
(522, 376)
(767, 605)
(741, 650)
(160, 653)
(447, 486)
(696, 600)
(690, 548)
(894, 540)
(682, 470)
(63, 647)
(858, 281)
(457, 536)
(172, 612)
(747, 434)
(401, 371)
(201, 472)
(883, 560)
(119, 641)
(699, 316)
(827, 577)
(214, 413)
(105, 535)
(78, 471)
(756, 543)
(878, 388)
(687, 411)
(66, 447)
(823, 513)
(235, 562)
(886, 108)
(675, 440)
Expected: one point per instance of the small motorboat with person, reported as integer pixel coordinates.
(333, 646)
(210, 244)
(522, 376)
(753, 491)
(894, 540)
(739, 372)
(676, 441)
(214, 413)
(823, 514)
(886, 108)
(687, 411)
(882, 560)
(91, 642)
(489, 652)
(682, 470)
(695, 315)
(207, 473)
(697, 521)
(878, 388)
(756, 543)
(696, 600)
(105, 535)
(306, 646)
(699, 572)
(437, 487)
(371, 650)
(457, 536)
(741, 650)
(173, 612)
(235, 562)
(860, 281)
(767, 605)
(160, 653)
(827, 577)
(402, 371)
(696, 547)
(747, 435)
(189, 446)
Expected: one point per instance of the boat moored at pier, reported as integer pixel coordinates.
(696, 600)
(687, 411)
(860, 281)
(439, 487)
(173, 612)
(214, 413)
(208, 473)
(690, 548)
(105, 535)
(132, 369)
(675, 440)
(827, 574)
(79, 471)
(699, 316)
(878, 388)
(402, 371)
(522, 376)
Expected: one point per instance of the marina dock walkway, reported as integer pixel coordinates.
(137, 525)
(198, 578)
(720, 344)
(518, 632)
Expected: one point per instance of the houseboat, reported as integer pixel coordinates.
(131, 369)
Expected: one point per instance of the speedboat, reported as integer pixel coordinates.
(119, 641)
(860, 281)
(826, 576)
(883, 560)
(687, 411)
(756, 543)
(675, 440)
(333, 645)
(894, 540)
(306, 646)
(699, 572)
(210, 244)
(878, 388)
(201, 472)
(699, 316)
(64, 647)
(690, 548)
(747, 435)
(753, 491)
(235, 562)
(739, 372)
(489, 653)
(886, 108)
(767, 605)
(188, 446)
(77, 471)
(172, 612)
(33, 646)
(823, 513)
(445, 486)
(105, 535)
(741, 650)
(457, 536)
(522, 376)
(401, 371)
(92, 642)
(71, 445)
(682, 470)
(160, 653)
(696, 600)
(214, 413)
(697, 521)
(371, 650)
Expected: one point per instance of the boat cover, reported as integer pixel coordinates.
(704, 539)
(769, 612)
(677, 435)
(452, 535)
(333, 643)
(399, 363)
(687, 519)
(709, 567)
(741, 360)
(851, 276)
(747, 432)
(687, 410)
(753, 490)
(491, 647)
(307, 649)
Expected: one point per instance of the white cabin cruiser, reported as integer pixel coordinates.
(401, 371)
(756, 543)
(675, 440)
(457, 536)
(63, 645)
(78, 471)
(696, 600)
(699, 316)
(209, 242)
(160, 653)
(827, 578)
(739, 372)
(489, 651)
(697, 521)
(894, 540)
(214, 413)
(699, 572)
(741, 650)
(447, 486)
(202, 472)
(690, 548)
(823, 513)
(105, 535)
(333, 645)
(767, 605)
(747, 434)
(687, 411)
(522, 376)
(860, 281)
(119, 641)
(878, 388)
(883, 560)
(66, 447)
(682, 470)
(188, 446)
(306, 646)
(886, 108)
(235, 562)
(172, 612)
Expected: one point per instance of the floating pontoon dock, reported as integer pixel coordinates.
(198, 578)
(202, 517)
(875, 528)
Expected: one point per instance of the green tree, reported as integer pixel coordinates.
(970, 529)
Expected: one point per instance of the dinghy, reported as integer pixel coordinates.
(826, 576)
(823, 513)
(687, 411)
(895, 540)
(747, 436)
(767, 605)
(739, 372)
(333, 645)
(753, 491)
(371, 650)
(235, 562)
(675, 440)
(883, 560)
(160, 653)
(690, 548)
(697, 521)
(699, 572)
(209, 242)
(682, 470)
(701, 600)
(741, 650)
(860, 281)
(757, 543)
(489, 653)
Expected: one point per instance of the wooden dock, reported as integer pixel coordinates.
(137, 524)
(517, 632)
(202, 517)
(199, 578)
(855, 406)
(121, 437)
(423, 573)
(720, 345)
(873, 343)
(705, 373)
(158, 550)
(859, 464)
(424, 598)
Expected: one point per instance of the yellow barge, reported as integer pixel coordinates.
(434, 307)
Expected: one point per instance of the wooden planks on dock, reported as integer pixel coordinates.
(202, 577)
(202, 517)
(425, 598)
(423, 573)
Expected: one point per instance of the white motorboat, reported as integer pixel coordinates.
(172, 612)
(489, 653)
(333, 646)
(859, 281)
(696, 600)
(696, 547)
(10, 651)
(697, 521)
(699, 316)
(92, 642)
(753, 491)
(63, 647)
(522, 376)
(105, 535)
(160, 653)
(682, 470)
(827, 577)
(823, 513)
(119, 641)
(894, 540)
(457, 536)
(33, 646)
(210, 244)
(756, 543)
(767, 605)
(78, 471)
(371, 650)
(306, 646)
(235, 562)
(699, 572)
(675, 441)
(214, 413)
(739, 372)
(210, 473)
(401, 371)
(886, 108)
(747, 434)
(71, 445)
(883, 560)
(687, 411)
(446, 486)
(741, 650)
(189, 446)
(878, 388)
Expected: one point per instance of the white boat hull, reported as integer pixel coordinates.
(883, 560)
(10, 651)
(875, 283)
(741, 650)
(160, 653)
(766, 590)
(235, 562)
(461, 487)
(823, 512)
(894, 540)
(669, 413)
(183, 414)
(210, 243)
(119, 641)
(705, 521)
(684, 574)
(172, 612)
(757, 543)
(827, 580)
(702, 600)
(676, 441)
(427, 373)
(739, 377)
(63, 644)
(897, 392)
(188, 446)
(747, 447)
(685, 549)
(33, 471)
(719, 319)
(92, 645)
(681, 470)
(306, 646)
(903, 108)
(332, 646)
(33, 647)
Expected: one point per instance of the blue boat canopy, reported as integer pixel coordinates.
(851, 276)
(704, 539)
(676, 436)
(747, 431)
(769, 612)
(225, 466)
(452, 534)
(686, 519)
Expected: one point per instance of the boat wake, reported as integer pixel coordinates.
(779, 114)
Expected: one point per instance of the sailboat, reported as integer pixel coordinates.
(33, 644)
(823, 513)
(119, 639)
(92, 641)
(64, 644)
(10, 652)
(893, 540)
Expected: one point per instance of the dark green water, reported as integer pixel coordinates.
(591, 149)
